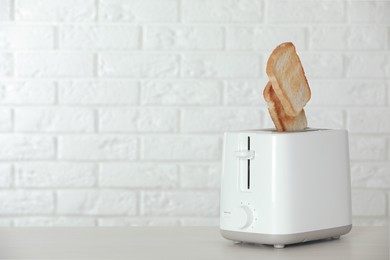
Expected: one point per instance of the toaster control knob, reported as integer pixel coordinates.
(242, 217)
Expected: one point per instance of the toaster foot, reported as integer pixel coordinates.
(279, 246)
(336, 237)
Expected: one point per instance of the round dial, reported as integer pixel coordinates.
(242, 217)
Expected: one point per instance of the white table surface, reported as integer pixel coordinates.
(178, 243)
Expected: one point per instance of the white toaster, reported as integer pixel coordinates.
(285, 188)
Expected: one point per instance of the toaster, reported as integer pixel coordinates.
(281, 188)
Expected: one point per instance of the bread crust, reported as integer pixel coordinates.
(288, 79)
(282, 121)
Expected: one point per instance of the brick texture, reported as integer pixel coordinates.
(181, 147)
(370, 175)
(369, 11)
(5, 120)
(27, 147)
(325, 118)
(54, 222)
(7, 64)
(5, 175)
(200, 175)
(138, 65)
(103, 92)
(180, 203)
(367, 148)
(138, 175)
(181, 92)
(53, 120)
(368, 66)
(347, 38)
(98, 37)
(27, 92)
(26, 202)
(48, 64)
(355, 93)
(138, 120)
(5, 11)
(93, 202)
(26, 37)
(219, 119)
(220, 66)
(98, 147)
(138, 11)
(112, 112)
(369, 203)
(262, 38)
(183, 38)
(222, 10)
(50, 174)
(55, 11)
(307, 11)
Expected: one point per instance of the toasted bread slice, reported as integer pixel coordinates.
(282, 121)
(285, 71)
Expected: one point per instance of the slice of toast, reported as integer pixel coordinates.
(282, 121)
(285, 71)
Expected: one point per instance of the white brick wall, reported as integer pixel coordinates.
(51, 119)
(220, 65)
(27, 92)
(316, 11)
(222, 11)
(98, 37)
(183, 38)
(96, 202)
(54, 64)
(180, 203)
(138, 65)
(6, 64)
(55, 10)
(98, 92)
(135, 175)
(112, 111)
(138, 120)
(26, 37)
(54, 174)
(181, 92)
(150, 11)
(97, 147)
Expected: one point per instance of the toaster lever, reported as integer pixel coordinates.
(245, 154)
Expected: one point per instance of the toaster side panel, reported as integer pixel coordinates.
(312, 182)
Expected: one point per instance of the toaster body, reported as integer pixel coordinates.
(285, 188)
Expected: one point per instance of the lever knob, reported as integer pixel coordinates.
(242, 217)
(245, 154)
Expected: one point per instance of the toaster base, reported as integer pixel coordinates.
(280, 240)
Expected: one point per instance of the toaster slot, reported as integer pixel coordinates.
(244, 156)
(249, 166)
